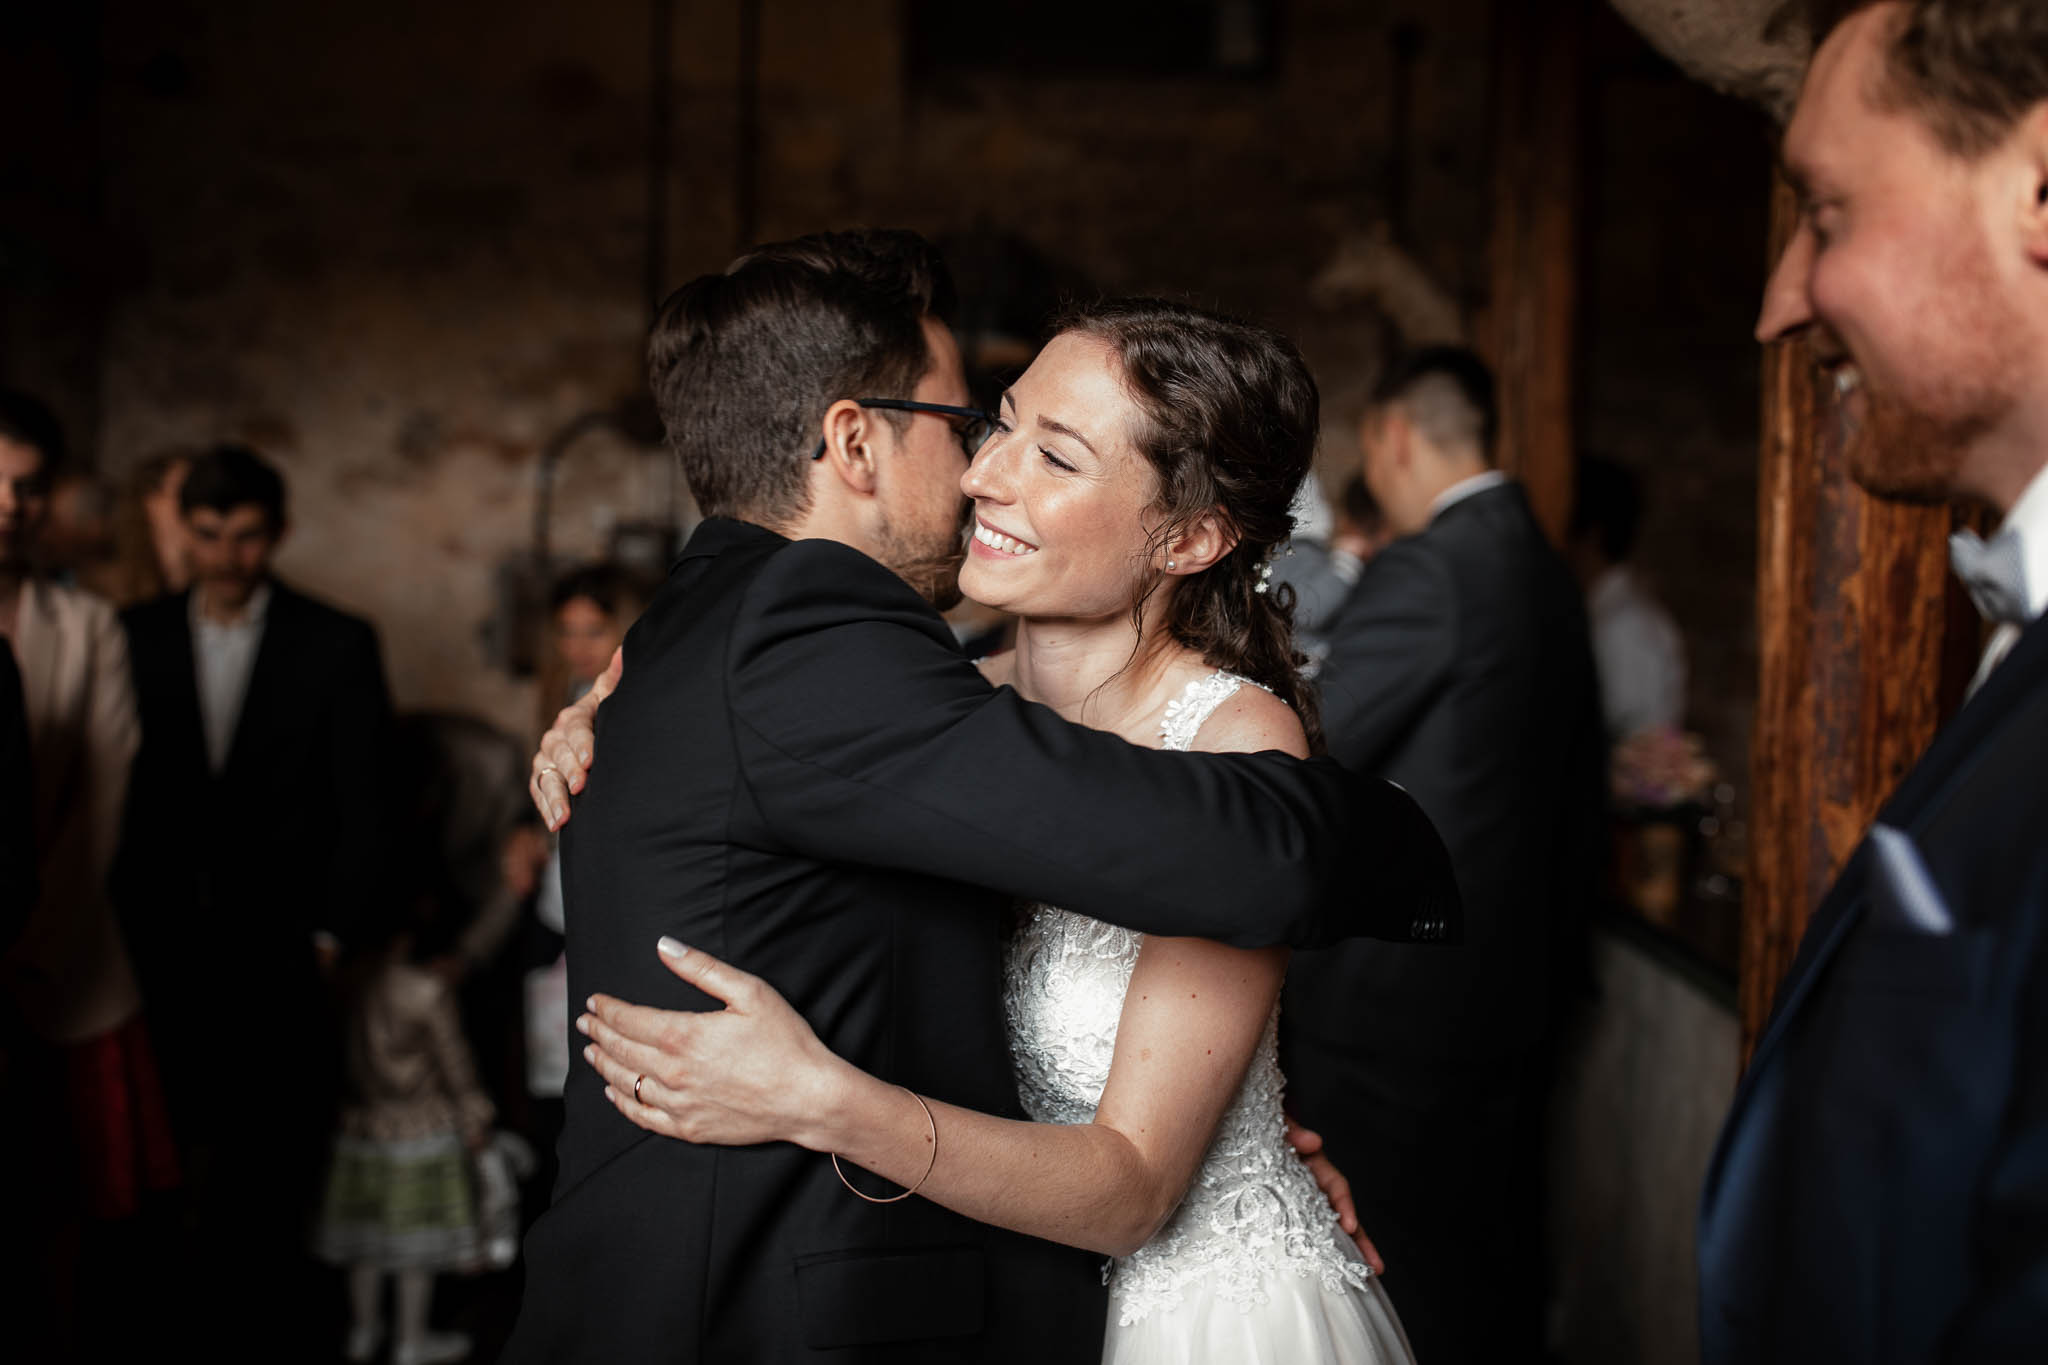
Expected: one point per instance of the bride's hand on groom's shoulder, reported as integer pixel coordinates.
(562, 763)
(1308, 1145)
(751, 1072)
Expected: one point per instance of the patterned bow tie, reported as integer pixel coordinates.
(1995, 572)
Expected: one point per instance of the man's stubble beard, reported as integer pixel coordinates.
(929, 563)
(1914, 450)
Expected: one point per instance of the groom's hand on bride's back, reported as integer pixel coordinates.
(562, 763)
(1308, 1145)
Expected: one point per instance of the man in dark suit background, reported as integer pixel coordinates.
(1880, 1191)
(803, 775)
(252, 844)
(1460, 669)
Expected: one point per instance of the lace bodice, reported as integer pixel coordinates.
(1253, 1210)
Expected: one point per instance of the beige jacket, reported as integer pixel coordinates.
(70, 973)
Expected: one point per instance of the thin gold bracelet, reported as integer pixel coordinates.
(934, 1124)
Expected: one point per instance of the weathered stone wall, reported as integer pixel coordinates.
(397, 247)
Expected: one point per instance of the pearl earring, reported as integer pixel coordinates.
(1169, 564)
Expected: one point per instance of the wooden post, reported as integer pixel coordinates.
(1528, 329)
(1862, 652)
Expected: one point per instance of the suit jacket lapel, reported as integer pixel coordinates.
(1917, 800)
(270, 690)
(182, 676)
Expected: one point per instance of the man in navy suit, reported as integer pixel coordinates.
(1881, 1188)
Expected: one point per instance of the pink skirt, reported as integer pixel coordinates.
(120, 1128)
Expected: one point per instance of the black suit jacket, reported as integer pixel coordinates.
(17, 821)
(1880, 1190)
(801, 774)
(225, 878)
(1460, 668)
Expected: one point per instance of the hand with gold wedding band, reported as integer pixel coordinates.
(562, 765)
(751, 1072)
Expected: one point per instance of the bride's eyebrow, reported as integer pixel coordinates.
(1050, 424)
(1063, 429)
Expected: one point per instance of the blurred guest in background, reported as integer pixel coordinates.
(1636, 644)
(88, 1073)
(1460, 669)
(1325, 556)
(149, 557)
(253, 843)
(400, 1202)
(462, 780)
(76, 544)
(592, 607)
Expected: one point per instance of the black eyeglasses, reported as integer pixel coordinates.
(973, 428)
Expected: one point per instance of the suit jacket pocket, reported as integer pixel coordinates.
(863, 1297)
(1883, 960)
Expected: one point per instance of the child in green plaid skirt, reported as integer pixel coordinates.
(400, 1204)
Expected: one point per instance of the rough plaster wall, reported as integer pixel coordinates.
(1740, 47)
(394, 257)
(398, 246)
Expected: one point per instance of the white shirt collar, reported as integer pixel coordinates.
(253, 612)
(2028, 519)
(1463, 489)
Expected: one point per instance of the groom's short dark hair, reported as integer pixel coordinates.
(744, 363)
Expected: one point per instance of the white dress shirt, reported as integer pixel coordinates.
(223, 657)
(1639, 653)
(1463, 489)
(2028, 520)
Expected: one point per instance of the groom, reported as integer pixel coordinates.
(802, 775)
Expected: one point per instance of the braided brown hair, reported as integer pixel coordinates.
(1230, 421)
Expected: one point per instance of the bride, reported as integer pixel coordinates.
(1125, 509)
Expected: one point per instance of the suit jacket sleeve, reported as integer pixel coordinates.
(866, 738)
(358, 729)
(1391, 647)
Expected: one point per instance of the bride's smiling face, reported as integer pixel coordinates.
(1064, 502)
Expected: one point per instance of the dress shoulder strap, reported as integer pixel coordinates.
(1186, 714)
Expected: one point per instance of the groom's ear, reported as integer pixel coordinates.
(1199, 544)
(850, 432)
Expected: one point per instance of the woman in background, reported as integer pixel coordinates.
(149, 533)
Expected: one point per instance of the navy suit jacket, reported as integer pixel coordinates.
(1880, 1191)
(803, 775)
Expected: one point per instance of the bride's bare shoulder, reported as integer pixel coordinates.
(998, 668)
(1252, 720)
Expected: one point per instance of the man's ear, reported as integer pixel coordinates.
(850, 432)
(1198, 545)
(2031, 178)
(1397, 434)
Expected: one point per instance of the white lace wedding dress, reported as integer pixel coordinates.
(1252, 1268)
